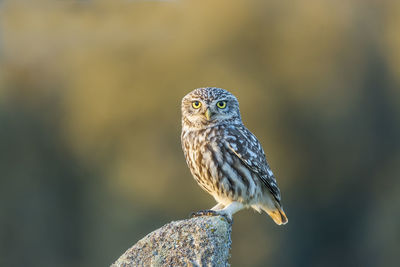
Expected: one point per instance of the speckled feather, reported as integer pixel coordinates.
(246, 146)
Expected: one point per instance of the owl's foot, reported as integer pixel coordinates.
(211, 213)
(204, 213)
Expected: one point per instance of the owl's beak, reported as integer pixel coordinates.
(208, 114)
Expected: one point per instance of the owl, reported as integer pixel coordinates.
(225, 158)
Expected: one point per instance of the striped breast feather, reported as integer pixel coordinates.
(243, 144)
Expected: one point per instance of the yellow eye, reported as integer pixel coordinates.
(221, 104)
(196, 104)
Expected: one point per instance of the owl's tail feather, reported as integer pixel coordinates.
(277, 214)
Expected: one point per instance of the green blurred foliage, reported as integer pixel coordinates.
(90, 157)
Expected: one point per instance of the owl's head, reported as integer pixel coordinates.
(209, 106)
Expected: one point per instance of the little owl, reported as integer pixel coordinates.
(225, 158)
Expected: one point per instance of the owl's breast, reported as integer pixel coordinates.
(216, 170)
(199, 158)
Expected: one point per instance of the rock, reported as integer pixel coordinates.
(199, 241)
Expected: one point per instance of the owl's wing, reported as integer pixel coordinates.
(242, 143)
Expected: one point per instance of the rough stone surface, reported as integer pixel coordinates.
(200, 241)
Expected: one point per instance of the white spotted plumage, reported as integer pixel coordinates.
(224, 157)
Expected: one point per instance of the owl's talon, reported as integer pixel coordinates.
(211, 213)
(204, 213)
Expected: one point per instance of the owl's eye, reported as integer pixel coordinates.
(221, 104)
(196, 104)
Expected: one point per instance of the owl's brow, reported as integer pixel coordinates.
(209, 101)
(212, 98)
(191, 100)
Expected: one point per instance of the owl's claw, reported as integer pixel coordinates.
(210, 213)
(204, 213)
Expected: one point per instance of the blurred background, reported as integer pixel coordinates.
(90, 156)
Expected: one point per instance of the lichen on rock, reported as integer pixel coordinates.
(200, 241)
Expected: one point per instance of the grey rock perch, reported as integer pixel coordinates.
(199, 241)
